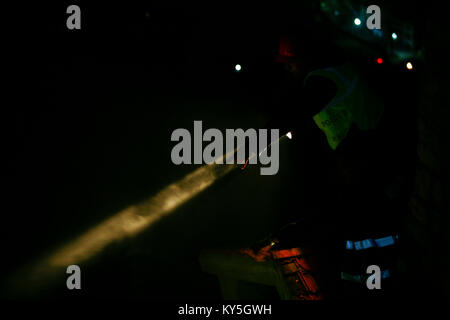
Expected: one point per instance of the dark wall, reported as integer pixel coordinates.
(428, 223)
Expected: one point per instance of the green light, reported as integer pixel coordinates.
(357, 21)
(394, 36)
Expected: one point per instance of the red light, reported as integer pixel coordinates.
(379, 61)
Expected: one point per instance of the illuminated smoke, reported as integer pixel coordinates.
(136, 218)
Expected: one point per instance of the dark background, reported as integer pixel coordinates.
(88, 133)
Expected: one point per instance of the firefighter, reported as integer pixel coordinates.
(350, 221)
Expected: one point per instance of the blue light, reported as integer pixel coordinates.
(378, 33)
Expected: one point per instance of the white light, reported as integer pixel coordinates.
(289, 135)
(357, 21)
(409, 66)
(394, 36)
(237, 67)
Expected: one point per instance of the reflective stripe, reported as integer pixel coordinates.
(385, 274)
(384, 242)
(350, 277)
(364, 244)
(343, 78)
(350, 86)
(371, 243)
(359, 278)
(349, 245)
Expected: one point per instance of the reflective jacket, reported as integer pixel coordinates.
(353, 103)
